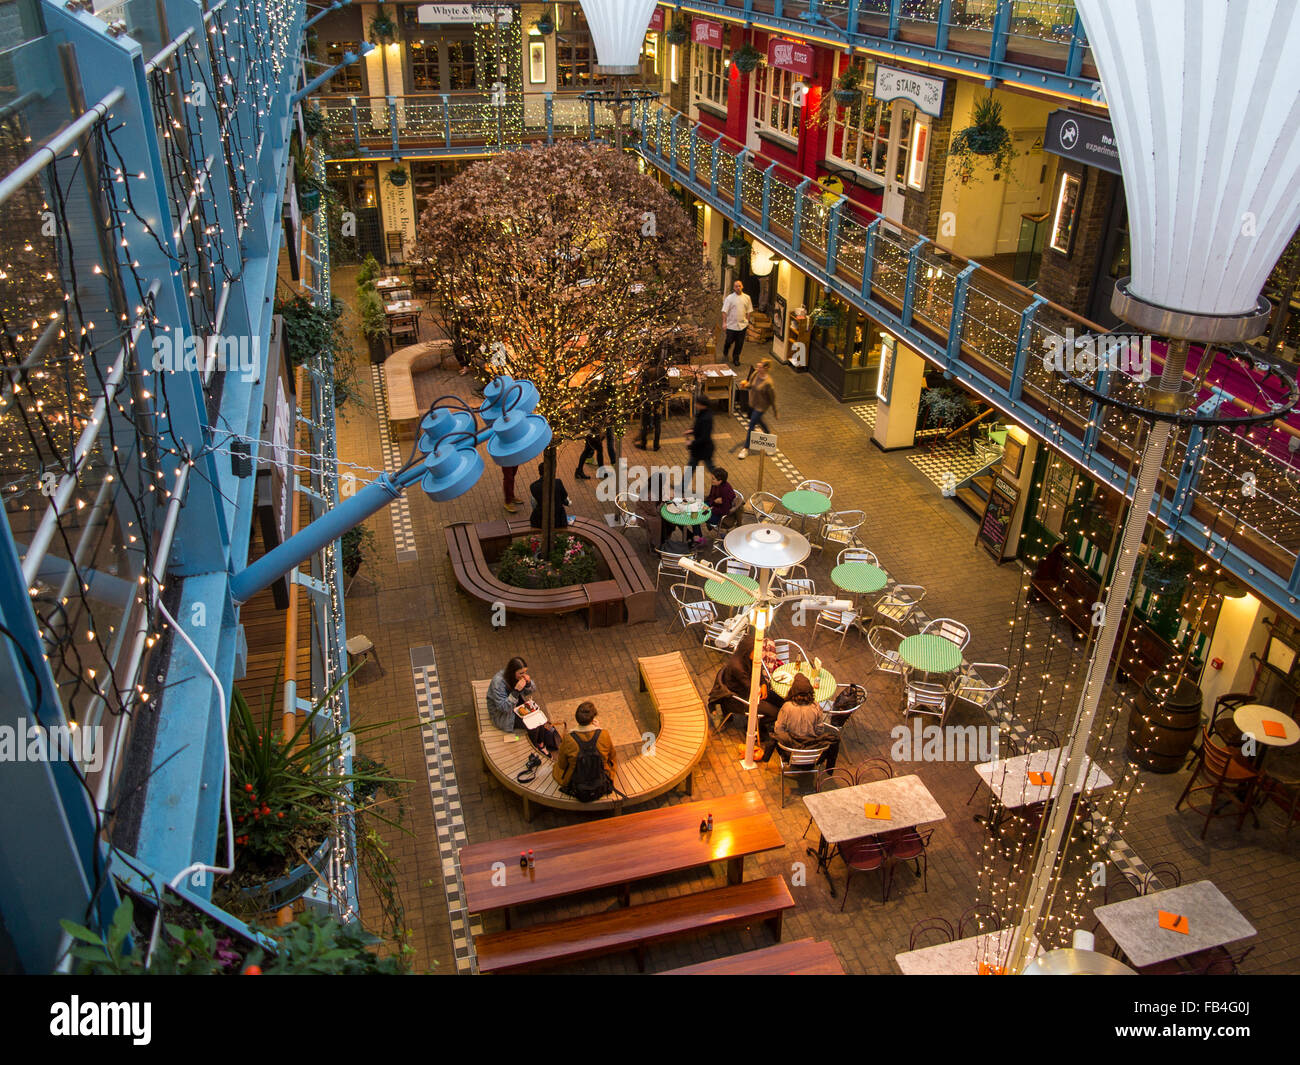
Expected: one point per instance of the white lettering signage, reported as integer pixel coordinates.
(894, 84)
(462, 13)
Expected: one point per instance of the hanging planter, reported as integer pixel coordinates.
(397, 177)
(382, 27)
(746, 58)
(1168, 573)
(680, 32)
(545, 25)
(308, 199)
(986, 141)
(313, 122)
(848, 87)
(825, 315)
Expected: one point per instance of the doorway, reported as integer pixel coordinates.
(900, 123)
(1026, 185)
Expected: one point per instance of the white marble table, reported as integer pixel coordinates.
(839, 814)
(1211, 921)
(1008, 778)
(961, 957)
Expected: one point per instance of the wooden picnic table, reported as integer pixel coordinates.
(801, 957)
(617, 851)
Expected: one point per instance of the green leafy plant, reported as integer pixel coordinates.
(368, 271)
(308, 329)
(546, 24)
(826, 314)
(946, 407)
(313, 122)
(571, 561)
(680, 30)
(358, 546)
(1168, 568)
(374, 323)
(397, 176)
(746, 58)
(382, 26)
(987, 139)
(848, 86)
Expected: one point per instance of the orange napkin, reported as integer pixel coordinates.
(876, 811)
(1040, 779)
(1273, 728)
(991, 970)
(1175, 922)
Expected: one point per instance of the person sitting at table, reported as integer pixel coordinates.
(576, 777)
(721, 498)
(658, 493)
(732, 682)
(561, 501)
(800, 724)
(509, 690)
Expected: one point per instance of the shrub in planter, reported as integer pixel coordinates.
(545, 25)
(848, 87)
(374, 323)
(825, 315)
(680, 31)
(313, 122)
(946, 407)
(368, 271)
(747, 58)
(1167, 571)
(987, 139)
(572, 561)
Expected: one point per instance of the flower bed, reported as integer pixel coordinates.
(572, 561)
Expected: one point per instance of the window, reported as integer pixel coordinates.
(461, 74)
(860, 135)
(773, 107)
(347, 80)
(711, 67)
(650, 58)
(424, 67)
(573, 51)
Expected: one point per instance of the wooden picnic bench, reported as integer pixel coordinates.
(635, 927)
(628, 594)
(799, 957)
(660, 767)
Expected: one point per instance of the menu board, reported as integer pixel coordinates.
(998, 512)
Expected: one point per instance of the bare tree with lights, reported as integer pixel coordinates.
(567, 266)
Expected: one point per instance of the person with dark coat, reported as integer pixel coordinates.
(657, 494)
(700, 437)
(733, 680)
(652, 411)
(561, 501)
(721, 498)
(801, 724)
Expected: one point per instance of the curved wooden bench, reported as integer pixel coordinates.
(404, 412)
(629, 594)
(667, 764)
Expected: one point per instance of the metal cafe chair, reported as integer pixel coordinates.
(949, 630)
(797, 761)
(898, 604)
(692, 606)
(815, 486)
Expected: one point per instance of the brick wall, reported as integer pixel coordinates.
(921, 209)
(1068, 280)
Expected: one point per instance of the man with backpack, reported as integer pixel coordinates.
(584, 764)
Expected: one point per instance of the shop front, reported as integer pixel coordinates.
(845, 347)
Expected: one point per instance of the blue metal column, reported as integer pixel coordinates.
(392, 127)
(798, 211)
(767, 197)
(959, 295)
(1018, 364)
(713, 166)
(738, 191)
(833, 234)
(356, 124)
(1074, 58)
(694, 141)
(998, 38)
(909, 289)
(550, 118)
(895, 12)
(672, 144)
(944, 18)
(446, 120)
(869, 259)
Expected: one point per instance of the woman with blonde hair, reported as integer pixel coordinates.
(762, 398)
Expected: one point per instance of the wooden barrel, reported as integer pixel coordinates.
(1162, 728)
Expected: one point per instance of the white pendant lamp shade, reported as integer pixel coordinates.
(1204, 96)
(618, 29)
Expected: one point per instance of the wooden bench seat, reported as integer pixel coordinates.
(635, 927)
(475, 578)
(404, 412)
(659, 768)
(800, 957)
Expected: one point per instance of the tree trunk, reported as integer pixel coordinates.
(548, 501)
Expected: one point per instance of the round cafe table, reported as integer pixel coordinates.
(930, 653)
(806, 503)
(728, 594)
(860, 578)
(685, 515)
(822, 681)
(1251, 718)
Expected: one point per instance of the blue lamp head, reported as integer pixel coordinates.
(452, 470)
(505, 394)
(518, 438)
(440, 422)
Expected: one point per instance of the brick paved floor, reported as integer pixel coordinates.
(920, 537)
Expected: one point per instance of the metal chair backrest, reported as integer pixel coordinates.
(930, 924)
(877, 636)
(788, 651)
(984, 917)
(731, 564)
(1161, 875)
(949, 629)
(1041, 739)
(872, 769)
(625, 503)
(857, 554)
(679, 593)
(765, 503)
(815, 486)
(803, 757)
(831, 779)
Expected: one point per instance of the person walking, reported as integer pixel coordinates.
(591, 447)
(736, 309)
(508, 487)
(700, 437)
(762, 398)
(652, 411)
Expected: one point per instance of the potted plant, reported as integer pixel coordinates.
(987, 139)
(1167, 569)
(746, 58)
(374, 323)
(397, 176)
(311, 191)
(946, 407)
(680, 30)
(358, 546)
(825, 315)
(382, 26)
(848, 86)
(546, 24)
(734, 247)
(313, 122)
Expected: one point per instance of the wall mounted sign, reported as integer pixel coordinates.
(894, 84)
(1084, 138)
(794, 56)
(999, 510)
(462, 13)
(536, 62)
(1065, 214)
(705, 32)
(657, 21)
(885, 375)
(919, 155)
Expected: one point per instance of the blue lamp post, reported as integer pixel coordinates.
(445, 462)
